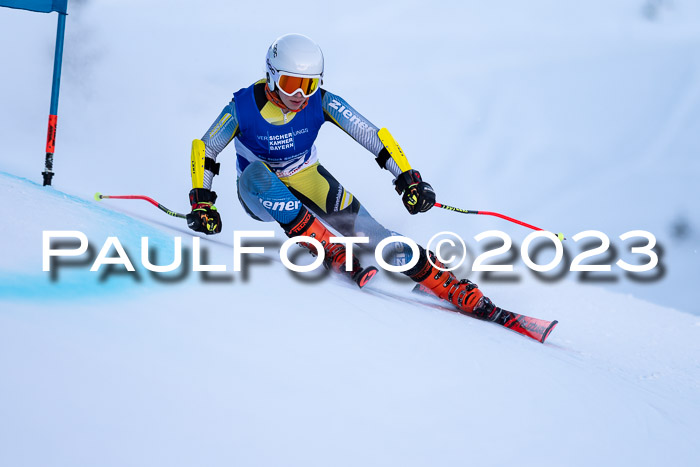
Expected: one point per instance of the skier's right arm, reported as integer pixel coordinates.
(204, 216)
(416, 194)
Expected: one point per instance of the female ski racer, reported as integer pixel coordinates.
(274, 123)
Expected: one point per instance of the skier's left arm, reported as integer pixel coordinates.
(417, 195)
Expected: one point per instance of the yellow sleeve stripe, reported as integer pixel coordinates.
(219, 125)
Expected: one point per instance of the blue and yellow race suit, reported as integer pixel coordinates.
(278, 167)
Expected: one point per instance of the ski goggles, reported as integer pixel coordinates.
(290, 85)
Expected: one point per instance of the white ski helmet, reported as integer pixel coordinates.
(294, 55)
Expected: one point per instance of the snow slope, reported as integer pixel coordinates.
(323, 374)
(571, 116)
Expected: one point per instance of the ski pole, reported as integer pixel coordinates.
(560, 236)
(100, 196)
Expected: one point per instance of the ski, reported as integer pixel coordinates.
(538, 329)
(534, 328)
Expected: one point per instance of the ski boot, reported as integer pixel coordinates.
(463, 294)
(306, 224)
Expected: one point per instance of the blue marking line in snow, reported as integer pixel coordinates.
(75, 281)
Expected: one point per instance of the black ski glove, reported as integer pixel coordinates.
(204, 216)
(417, 195)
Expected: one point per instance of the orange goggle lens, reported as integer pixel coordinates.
(291, 84)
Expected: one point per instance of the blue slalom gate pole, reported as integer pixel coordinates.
(53, 110)
(48, 6)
